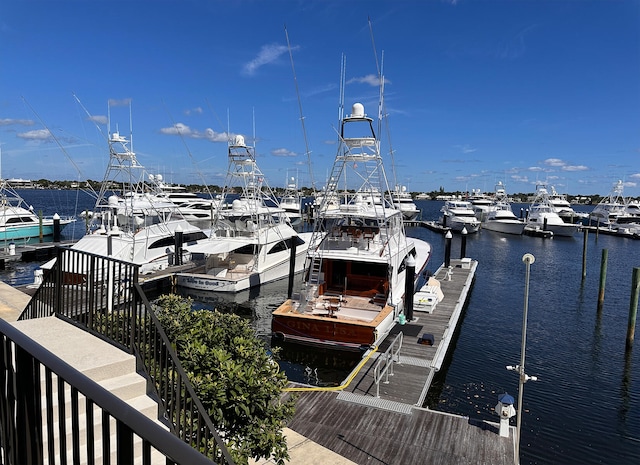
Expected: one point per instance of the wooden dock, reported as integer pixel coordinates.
(30, 252)
(385, 422)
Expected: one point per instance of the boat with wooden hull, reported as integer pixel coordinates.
(355, 276)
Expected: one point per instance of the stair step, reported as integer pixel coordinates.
(88, 354)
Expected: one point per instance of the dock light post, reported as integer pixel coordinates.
(463, 242)
(528, 259)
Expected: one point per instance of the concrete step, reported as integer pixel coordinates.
(88, 354)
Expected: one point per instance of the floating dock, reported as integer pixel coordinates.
(378, 414)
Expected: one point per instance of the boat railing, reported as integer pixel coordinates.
(102, 296)
(384, 365)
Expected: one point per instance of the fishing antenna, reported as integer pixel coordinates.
(382, 110)
(302, 118)
(53, 136)
(193, 162)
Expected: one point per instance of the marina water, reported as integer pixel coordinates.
(585, 406)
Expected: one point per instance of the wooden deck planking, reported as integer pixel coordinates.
(377, 431)
(367, 435)
(408, 385)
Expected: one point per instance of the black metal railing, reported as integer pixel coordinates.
(102, 296)
(37, 389)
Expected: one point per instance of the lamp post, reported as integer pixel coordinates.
(528, 259)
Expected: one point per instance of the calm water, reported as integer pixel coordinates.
(585, 406)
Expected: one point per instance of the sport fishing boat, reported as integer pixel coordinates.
(403, 201)
(542, 216)
(353, 285)
(252, 241)
(19, 222)
(291, 202)
(607, 211)
(500, 216)
(458, 215)
(129, 222)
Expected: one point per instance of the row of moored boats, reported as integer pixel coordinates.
(550, 214)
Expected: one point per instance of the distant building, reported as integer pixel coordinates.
(19, 183)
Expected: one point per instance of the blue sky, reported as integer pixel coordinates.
(477, 91)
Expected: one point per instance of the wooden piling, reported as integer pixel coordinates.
(585, 235)
(603, 278)
(633, 307)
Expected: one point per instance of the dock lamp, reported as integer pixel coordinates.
(528, 259)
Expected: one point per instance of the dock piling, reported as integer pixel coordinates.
(603, 278)
(447, 248)
(409, 289)
(585, 238)
(292, 268)
(463, 242)
(633, 308)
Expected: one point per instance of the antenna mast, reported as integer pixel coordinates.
(304, 131)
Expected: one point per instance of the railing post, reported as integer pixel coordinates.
(59, 267)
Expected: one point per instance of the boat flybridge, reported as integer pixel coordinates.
(252, 241)
(352, 288)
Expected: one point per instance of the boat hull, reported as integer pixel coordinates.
(239, 281)
(289, 324)
(504, 227)
(30, 231)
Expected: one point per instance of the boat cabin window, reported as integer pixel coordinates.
(21, 219)
(285, 245)
(186, 238)
(356, 278)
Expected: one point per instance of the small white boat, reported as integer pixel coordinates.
(500, 217)
(429, 295)
(251, 243)
(542, 217)
(458, 215)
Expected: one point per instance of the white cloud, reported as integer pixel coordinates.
(554, 162)
(370, 79)
(283, 153)
(180, 129)
(11, 121)
(37, 135)
(575, 168)
(268, 54)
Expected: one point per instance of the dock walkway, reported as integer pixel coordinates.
(395, 427)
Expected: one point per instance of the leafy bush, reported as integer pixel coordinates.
(237, 381)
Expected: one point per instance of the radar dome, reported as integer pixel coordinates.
(238, 140)
(357, 111)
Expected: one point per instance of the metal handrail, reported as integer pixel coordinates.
(384, 365)
(23, 401)
(102, 296)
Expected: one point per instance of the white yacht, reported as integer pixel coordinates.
(480, 203)
(542, 216)
(500, 217)
(403, 201)
(354, 280)
(132, 224)
(563, 207)
(611, 207)
(19, 222)
(251, 242)
(458, 215)
(291, 202)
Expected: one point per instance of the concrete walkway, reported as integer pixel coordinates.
(301, 450)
